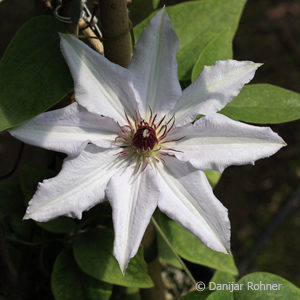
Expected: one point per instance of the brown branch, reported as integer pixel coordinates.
(116, 31)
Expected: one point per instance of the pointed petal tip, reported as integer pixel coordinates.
(164, 10)
(224, 248)
(122, 264)
(123, 270)
(26, 217)
(163, 14)
(121, 261)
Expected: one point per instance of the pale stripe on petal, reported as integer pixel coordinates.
(187, 197)
(133, 198)
(67, 130)
(100, 85)
(213, 89)
(79, 186)
(216, 142)
(154, 66)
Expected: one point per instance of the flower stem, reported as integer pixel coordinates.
(164, 237)
(149, 243)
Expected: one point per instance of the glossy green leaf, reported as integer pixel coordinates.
(196, 295)
(195, 252)
(70, 283)
(33, 73)
(261, 285)
(264, 104)
(93, 252)
(29, 179)
(197, 24)
(11, 198)
(220, 48)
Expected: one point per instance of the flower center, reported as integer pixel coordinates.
(145, 141)
(145, 138)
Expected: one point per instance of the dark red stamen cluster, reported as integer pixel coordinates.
(144, 141)
(145, 137)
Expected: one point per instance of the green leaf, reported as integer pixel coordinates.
(195, 252)
(70, 283)
(197, 24)
(75, 10)
(222, 277)
(196, 295)
(155, 3)
(220, 48)
(166, 254)
(264, 104)
(33, 74)
(220, 295)
(11, 198)
(277, 288)
(213, 177)
(58, 225)
(29, 179)
(93, 252)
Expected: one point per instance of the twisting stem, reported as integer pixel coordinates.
(173, 250)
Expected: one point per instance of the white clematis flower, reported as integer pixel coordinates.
(129, 138)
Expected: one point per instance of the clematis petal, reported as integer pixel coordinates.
(79, 186)
(214, 88)
(215, 142)
(187, 198)
(154, 65)
(67, 130)
(133, 199)
(100, 85)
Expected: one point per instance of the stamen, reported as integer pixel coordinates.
(172, 123)
(164, 127)
(171, 141)
(153, 120)
(130, 125)
(150, 115)
(142, 140)
(171, 149)
(161, 121)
